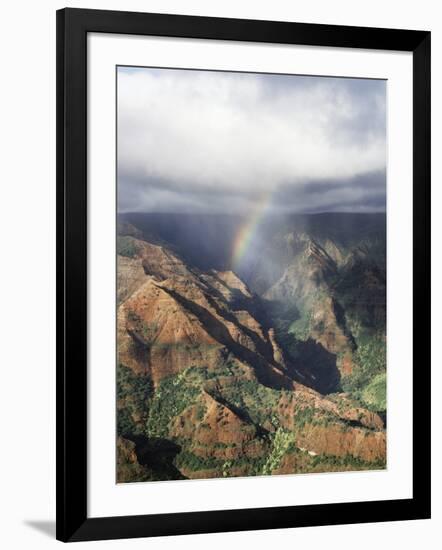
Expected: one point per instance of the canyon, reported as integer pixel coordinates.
(268, 364)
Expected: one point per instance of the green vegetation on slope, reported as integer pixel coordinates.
(173, 395)
(367, 382)
(375, 393)
(282, 440)
(253, 397)
(126, 246)
(191, 461)
(133, 392)
(329, 462)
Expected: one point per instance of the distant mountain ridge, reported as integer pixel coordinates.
(206, 240)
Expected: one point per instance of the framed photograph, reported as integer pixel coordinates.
(243, 298)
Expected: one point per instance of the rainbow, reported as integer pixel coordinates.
(248, 229)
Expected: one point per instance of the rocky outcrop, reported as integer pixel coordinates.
(213, 429)
(166, 326)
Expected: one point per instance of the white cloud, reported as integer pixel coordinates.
(248, 133)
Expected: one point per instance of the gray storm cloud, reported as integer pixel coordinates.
(201, 140)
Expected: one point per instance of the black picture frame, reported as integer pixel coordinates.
(73, 25)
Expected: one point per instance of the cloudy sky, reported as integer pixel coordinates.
(216, 141)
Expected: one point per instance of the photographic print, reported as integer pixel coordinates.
(251, 274)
